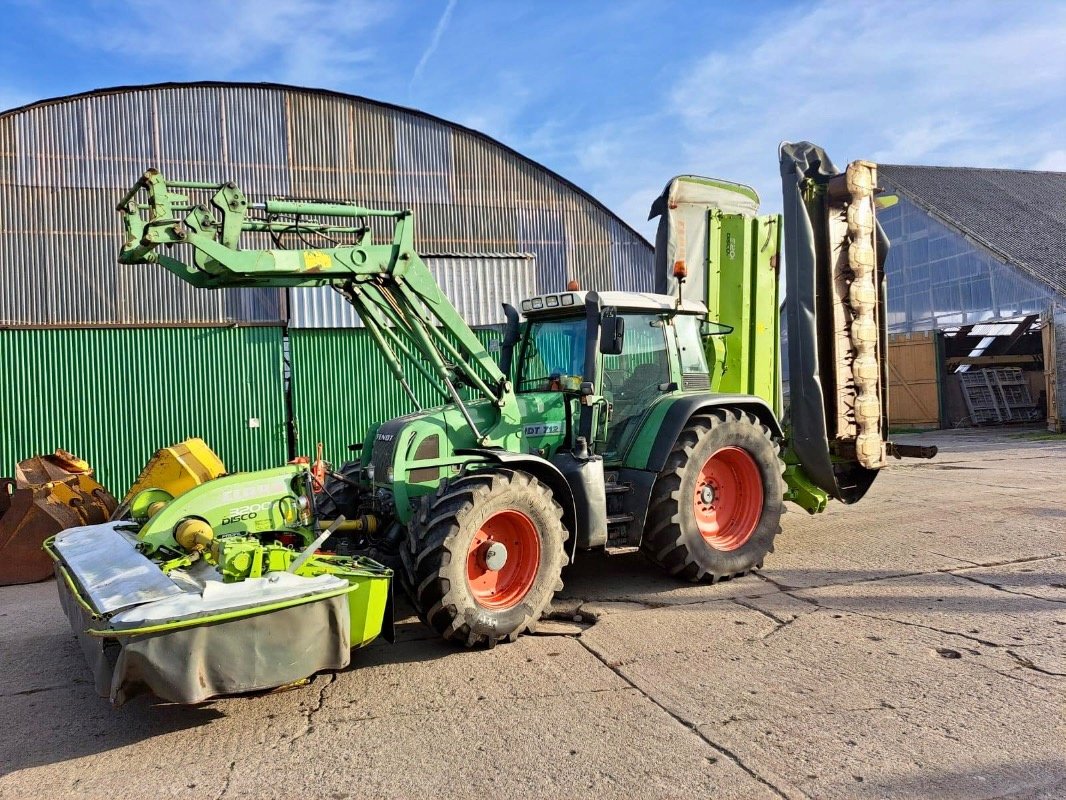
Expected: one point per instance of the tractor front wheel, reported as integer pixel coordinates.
(716, 506)
(484, 557)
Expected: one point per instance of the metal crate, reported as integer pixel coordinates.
(996, 396)
(982, 399)
(1014, 394)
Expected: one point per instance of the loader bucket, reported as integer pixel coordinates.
(835, 304)
(47, 495)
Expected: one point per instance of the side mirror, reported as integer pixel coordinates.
(708, 328)
(612, 332)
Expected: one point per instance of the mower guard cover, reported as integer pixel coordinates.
(144, 631)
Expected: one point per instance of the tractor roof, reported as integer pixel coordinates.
(562, 303)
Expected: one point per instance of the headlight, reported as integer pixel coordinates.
(370, 473)
(389, 475)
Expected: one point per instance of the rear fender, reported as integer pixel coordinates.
(662, 427)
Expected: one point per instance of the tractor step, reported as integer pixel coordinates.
(619, 519)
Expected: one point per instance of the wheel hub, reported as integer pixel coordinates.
(503, 560)
(495, 556)
(707, 495)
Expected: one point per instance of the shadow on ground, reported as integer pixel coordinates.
(78, 723)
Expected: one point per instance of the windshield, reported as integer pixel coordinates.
(552, 351)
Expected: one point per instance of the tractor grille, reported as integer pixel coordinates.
(386, 440)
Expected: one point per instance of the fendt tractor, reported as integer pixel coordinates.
(606, 419)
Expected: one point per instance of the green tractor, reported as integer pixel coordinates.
(606, 420)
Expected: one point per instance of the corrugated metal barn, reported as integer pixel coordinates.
(112, 361)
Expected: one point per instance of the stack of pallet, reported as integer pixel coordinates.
(997, 396)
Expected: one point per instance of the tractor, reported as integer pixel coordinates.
(604, 419)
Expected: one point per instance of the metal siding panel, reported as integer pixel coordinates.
(116, 154)
(111, 410)
(49, 139)
(373, 156)
(423, 160)
(256, 141)
(8, 150)
(341, 386)
(489, 229)
(543, 232)
(469, 195)
(320, 141)
(476, 284)
(190, 132)
(632, 262)
(440, 229)
(75, 230)
(320, 307)
(588, 250)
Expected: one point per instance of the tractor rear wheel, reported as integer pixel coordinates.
(716, 506)
(484, 557)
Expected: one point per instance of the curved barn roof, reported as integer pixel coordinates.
(62, 160)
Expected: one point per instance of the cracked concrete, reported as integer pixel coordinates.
(910, 646)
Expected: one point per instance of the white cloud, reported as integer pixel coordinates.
(312, 42)
(952, 84)
(1054, 161)
(434, 42)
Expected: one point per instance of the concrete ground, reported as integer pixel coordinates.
(911, 646)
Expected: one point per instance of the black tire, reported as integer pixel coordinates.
(340, 497)
(672, 537)
(439, 545)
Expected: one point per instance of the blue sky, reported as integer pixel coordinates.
(615, 96)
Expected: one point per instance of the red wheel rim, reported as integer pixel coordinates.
(728, 499)
(503, 559)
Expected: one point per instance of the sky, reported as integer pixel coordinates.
(617, 97)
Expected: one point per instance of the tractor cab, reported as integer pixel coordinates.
(628, 348)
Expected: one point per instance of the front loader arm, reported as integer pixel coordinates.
(395, 294)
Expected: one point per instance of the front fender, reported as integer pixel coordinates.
(545, 472)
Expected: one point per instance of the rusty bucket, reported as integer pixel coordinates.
(48, 494)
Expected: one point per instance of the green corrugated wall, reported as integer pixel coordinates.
(341, 386)
(114, 396)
